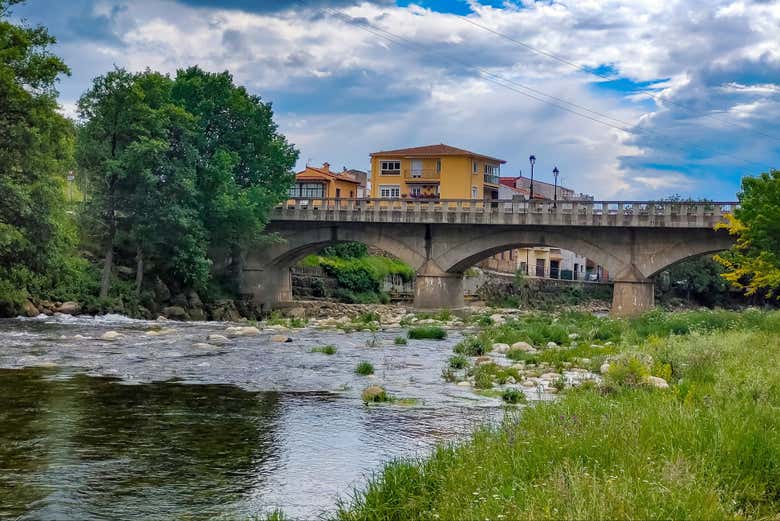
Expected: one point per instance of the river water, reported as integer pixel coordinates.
(152, 427)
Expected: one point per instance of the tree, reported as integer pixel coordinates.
(244, 166)
(35, 152)
(753, 264)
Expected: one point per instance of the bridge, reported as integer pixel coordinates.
(440, 239)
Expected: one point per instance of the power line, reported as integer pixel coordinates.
(588, 70)
(513, 85)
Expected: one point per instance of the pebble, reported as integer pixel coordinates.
(110, 335)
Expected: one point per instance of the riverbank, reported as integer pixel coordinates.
(705, 447)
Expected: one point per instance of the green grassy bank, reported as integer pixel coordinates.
(706, 448)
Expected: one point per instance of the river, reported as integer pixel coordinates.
(153, 427)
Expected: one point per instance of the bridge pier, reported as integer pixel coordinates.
(632, 297)
(436, 289)
(269, 287)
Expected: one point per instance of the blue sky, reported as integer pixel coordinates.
(629, 98)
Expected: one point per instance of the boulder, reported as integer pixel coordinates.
(175, 312)
(551, 345)
(196, 313)
(68, 308)
(281, 338)
(523, 346)
(110, 336)
(160, 332)
(372, 392)
(657, 382)
(497, 319)
(217, 339)
(500, 348)
(180, 299)
(203, 345)
(224, 311)
(161, 291)
(29, 309)
(528, 383)
(297, 312)
(193, 299)
(604, 368)
(242, 331)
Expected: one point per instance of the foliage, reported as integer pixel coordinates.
(400, 341)
(699, 280)
(346, 250)
(513, 396)
(427, 332)
(364, 368)
(703, 450)
(753, 264)
(375, 394)
(471, 346)
(37, 239)
(326, 350)
(458, 362)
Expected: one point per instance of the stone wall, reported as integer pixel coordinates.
(536, 292)
(314, 282)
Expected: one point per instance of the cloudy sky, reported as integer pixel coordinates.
(629, 98)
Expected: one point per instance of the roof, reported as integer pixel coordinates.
(433, 151)
(317, 173)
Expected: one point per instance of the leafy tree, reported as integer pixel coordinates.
(35, 153)
(753, 264)
(699, 279)
(244, 166)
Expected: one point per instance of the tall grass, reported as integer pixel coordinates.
(707, 448)
(427, 332)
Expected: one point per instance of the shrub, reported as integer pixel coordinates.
(364, 368)
(470, 346)
(427, 332)
(483, 376)
(375, 394)
(326, 350)
(367, 317)
(346, 250)
(458, 362)
(513, 396)
(629, 370)
(400, 341)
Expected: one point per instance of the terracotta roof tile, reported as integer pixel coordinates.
(433, 151)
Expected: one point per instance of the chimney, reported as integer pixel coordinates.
(326, 167)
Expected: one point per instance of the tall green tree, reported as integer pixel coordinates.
(753, 264)
(245, 166)
(35, 153)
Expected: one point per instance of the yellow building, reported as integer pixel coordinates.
(434, 172)
(318, 183)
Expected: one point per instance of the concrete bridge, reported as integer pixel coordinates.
(442, 238)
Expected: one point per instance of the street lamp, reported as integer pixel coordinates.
(532, 159)
(555, 190)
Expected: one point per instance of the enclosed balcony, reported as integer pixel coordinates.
(422, 175)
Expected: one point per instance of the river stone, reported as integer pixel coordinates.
(68, 308)
(550, 376)
(522, 346)
(29, 309)
(483, 360)
(464, 383)
(175, 312)
(511, 380)
(193, 299)
(551, 345)
(604, 368)
(500, 348)
(203, 345)
(657, 382)
(242, 331)
(159, 332)
(497, 319)
(281, 338)
(528, 383)
(196, 313)
(219, 339)
(110, 336)
(573, 336)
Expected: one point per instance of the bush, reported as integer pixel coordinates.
(375, 394)
(400, 341)
(458, 362)
(364, 368)
(470, 346)
(513, 396)
(346, 250)
(326, 350)
(629, 370)
(427, 332)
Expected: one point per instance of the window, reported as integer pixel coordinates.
(386, 191)
(438, 166)
(390, 167)
(314, 190)
(474, 168)
(415, 191)
(474, 192)
(492, 169)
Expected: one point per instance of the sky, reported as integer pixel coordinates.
(630, 99)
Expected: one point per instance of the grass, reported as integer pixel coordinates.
(326, 350)
(427, 332)
(513, 396)
(471, 346)
(458, 362)
(365, 368)
(400, 341)
(375, 394)
(706, 448)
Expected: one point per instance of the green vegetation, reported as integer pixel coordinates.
(400, 341)
(365, 368)
(513, 396)
(326, 350)
(706, 448)
(458, 362)
(375, 394)
(471, 346)
(427, 332)
(359, 275)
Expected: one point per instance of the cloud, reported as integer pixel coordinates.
(693, 85)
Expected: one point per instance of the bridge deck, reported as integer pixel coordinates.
(652, 214)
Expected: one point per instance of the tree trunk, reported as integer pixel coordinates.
(139, 270)
(108, 262)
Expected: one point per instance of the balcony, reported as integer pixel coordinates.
(422, 175)
(491, 179)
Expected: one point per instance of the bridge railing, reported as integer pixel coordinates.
(508, 211)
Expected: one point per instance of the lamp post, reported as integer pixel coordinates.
(555, 189)
(532, 160)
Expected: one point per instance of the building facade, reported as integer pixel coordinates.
(319, 183)
(544, 190)
(434, 172)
